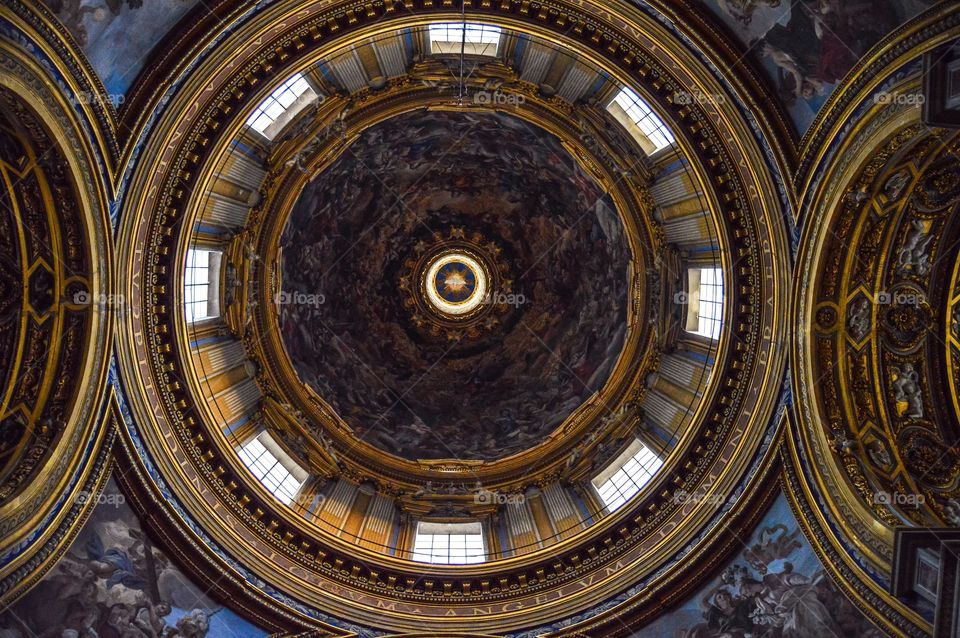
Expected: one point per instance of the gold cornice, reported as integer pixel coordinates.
(169, 432)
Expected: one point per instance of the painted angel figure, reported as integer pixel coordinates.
(742, 10)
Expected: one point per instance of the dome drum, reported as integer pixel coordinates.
(274, 251)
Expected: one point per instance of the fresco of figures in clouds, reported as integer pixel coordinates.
(114, 583)
(118, 36)
(807, 46)
(477, 399)
(774, 588)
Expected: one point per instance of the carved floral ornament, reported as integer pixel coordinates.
(204, 473)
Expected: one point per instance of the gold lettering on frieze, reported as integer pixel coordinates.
(541, 599)
(765, 246)
(613, 569)
(735, 435)
(667, 529)
(725, 454)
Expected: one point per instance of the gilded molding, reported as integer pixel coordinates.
(752, 360)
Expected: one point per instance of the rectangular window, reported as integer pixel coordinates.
(273, 467)
(626, 475)
(646, 125)
(201, 285)
(449, 543)
(477, 39)
(278, 106)
(705, 299)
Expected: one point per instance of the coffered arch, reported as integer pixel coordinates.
(57, 319)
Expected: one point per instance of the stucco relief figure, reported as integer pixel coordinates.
(895, 185)
(914, 255)
(879, 455)
(858, 320)
(843, 444)
(951, 512)
(906, 391)
(857, 197)
(300, 158)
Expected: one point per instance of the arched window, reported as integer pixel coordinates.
(280, 106)
(449, 543)
(640, 120)
(705, 301)
(273, 467)
(477, 39)
(626, 475)
(201, 285)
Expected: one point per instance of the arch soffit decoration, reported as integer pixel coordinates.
(64, 252)
(34, 26)
(832, 468)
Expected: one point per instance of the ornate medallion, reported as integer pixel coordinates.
(455, 284)
(457, 287)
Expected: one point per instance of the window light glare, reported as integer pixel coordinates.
(710, 303)
(475, 33)
(634, 472)
(196, 285)
(449, 543)
(477, 39)
(646, 120)
(268, 469)
(277, 103)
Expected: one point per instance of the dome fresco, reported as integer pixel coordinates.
(429, 178)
